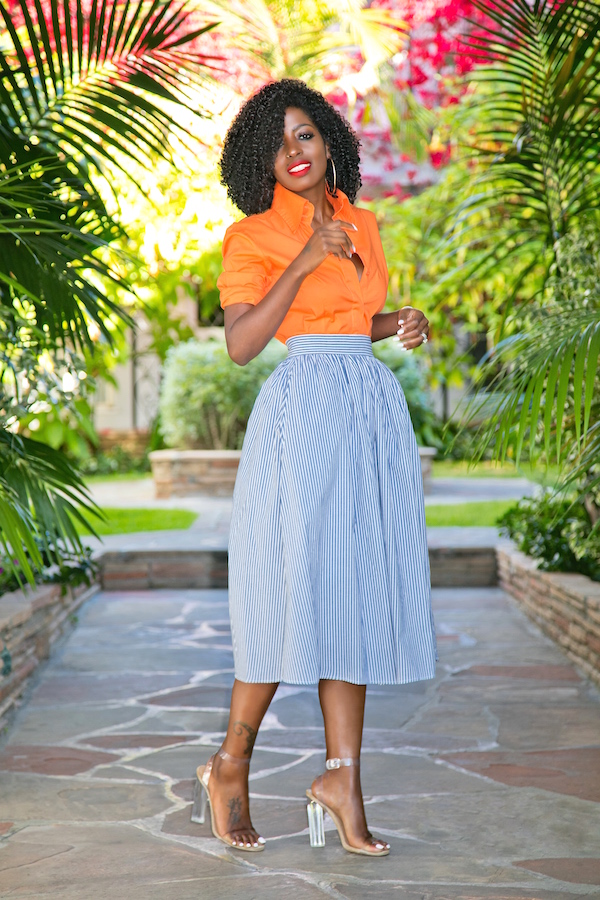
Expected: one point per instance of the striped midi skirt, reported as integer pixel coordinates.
(328, 562)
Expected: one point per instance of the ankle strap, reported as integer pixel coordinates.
(337, 763)
(240, 760)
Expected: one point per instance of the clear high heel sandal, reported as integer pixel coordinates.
(202, 795)
(316, 809)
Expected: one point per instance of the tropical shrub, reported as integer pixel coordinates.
(83, 89)
(206, 399)
(545, 377)
(75, 568)
(537, 181)
(115, 461)
(534, 148)
(556, 530)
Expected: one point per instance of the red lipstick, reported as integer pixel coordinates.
(299, 167)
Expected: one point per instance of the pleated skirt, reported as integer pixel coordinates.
(328, 561)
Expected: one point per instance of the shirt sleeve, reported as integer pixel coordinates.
(245, 278)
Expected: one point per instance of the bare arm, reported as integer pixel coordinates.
(248, 328)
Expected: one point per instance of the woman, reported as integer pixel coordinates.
(329, 573)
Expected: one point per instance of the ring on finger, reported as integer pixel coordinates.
(424, 336)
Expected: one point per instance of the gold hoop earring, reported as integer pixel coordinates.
(334, 188)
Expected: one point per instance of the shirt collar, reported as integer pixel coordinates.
(295, 210)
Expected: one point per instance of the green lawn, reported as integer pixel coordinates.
(478, 514)
(117, 476)
(461, 468)
(126, 521)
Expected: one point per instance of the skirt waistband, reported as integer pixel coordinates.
(355, 344)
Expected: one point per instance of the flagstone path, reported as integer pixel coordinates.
(486, 780)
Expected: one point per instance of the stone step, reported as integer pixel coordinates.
(141, 569)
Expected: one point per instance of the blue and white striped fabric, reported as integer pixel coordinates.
(328, 563)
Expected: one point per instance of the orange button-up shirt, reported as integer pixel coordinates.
(331, 300)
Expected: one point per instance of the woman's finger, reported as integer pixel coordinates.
(336, 229)
(342, 245)
(337, 225)
(410, 315)
(409, 339)
(411, 322)
(412, 329)
(341, 222)
(409, 328)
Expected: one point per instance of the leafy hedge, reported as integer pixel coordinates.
(556, 531)
(206, 399)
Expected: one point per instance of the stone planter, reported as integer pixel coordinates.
(179, 473)
(31, 622)
(565, 605)
(427, 455)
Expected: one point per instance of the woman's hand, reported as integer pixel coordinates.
(409, 327)
(413, 328)
(328, 238)
(248, 328)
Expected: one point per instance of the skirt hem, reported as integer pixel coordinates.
(312, 683)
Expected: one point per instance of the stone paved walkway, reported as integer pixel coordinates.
(446, 491)
(486, 781)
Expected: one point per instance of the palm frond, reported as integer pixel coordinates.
(538, 138)
(51, 225)
(539, 369)
(40, 494)
(57, 74)
(584, 469)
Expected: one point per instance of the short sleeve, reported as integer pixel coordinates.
(244, 278)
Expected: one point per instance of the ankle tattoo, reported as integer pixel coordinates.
(235, 811)
(242, 728)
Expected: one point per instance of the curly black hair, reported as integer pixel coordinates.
(255, 136)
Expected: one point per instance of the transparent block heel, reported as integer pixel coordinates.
(202, 797)
(316, 808)
(316, 828)
(199, 806)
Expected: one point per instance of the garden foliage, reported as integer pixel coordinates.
(538, 183)
(206, 399)
(80, 85)
(556, 530)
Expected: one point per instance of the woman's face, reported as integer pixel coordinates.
(301, 161)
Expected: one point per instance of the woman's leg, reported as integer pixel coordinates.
(229, 780)
(343, 707)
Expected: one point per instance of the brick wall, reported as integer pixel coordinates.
(31, 623)
(132, 440)
(152, 569)
(565, 606)
(179, 473)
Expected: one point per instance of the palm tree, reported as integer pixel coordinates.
(539, 192)
(83, 86)
(287, 39)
